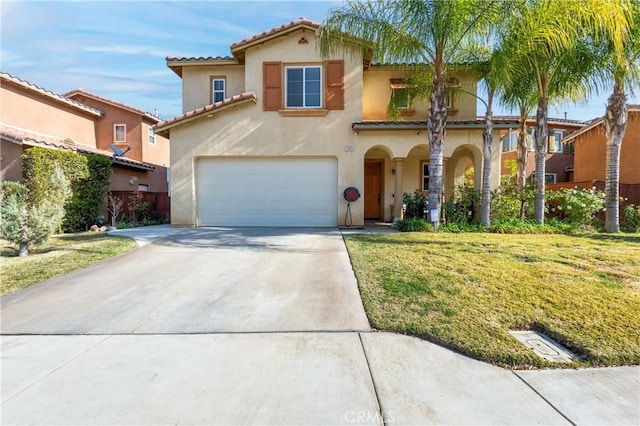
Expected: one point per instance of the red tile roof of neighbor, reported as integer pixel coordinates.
(25, 137)
(83, 93)
(164, 126)
(49, 94)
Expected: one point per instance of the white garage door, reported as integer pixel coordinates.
(267, 192)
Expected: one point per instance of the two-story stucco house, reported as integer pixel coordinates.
(32, 116)
(274, 134)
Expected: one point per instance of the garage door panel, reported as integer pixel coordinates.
(267, 192)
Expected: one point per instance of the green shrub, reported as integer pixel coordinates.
(520, 226)
(575, 205)
(510, 201)
(414, 224)
(25, 221)
(632, 218)
(461, 227)
(85, 207)
(415, 204)
(461, 209)
(39, 165)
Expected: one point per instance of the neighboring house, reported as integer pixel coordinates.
(590, 156)
(82, 122)
(559, 159)
(274, 134)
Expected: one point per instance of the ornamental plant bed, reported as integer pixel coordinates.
(467, 291)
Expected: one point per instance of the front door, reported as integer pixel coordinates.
(372, 189)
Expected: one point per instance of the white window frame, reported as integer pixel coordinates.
(215, 91)
(143, 187)
(151, 135)
(124, 133)
(425, 175)
(304, 79)
(557, 141)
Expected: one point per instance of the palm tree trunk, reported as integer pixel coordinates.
(487, 154)
(522, 157)
(437, 121)
(615, 121)
(522, 152)
(541, 153)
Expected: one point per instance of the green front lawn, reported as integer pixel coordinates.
(466, 291)
(62, 254)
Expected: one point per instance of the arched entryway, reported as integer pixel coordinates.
(376, 170)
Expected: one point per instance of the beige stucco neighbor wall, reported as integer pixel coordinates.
(45, 117)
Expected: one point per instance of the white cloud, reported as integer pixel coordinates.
(126, 50)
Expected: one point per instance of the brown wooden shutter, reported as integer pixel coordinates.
(272, 86)
(334, 91)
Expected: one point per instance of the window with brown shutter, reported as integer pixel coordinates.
(272, 82)
(334, 95)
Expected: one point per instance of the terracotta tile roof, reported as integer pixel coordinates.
(84, 93)
(177, 62)
(199, 58)
(24, 137)
(570, 122)
(424, 125)
(49, 94)
(274, 32)
(164, 126)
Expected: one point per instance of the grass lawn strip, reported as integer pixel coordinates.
(466, 291)
(62, 254)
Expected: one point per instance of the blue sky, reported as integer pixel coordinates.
(117, 49)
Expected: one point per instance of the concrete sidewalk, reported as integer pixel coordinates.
(87, 349)
(292, 379)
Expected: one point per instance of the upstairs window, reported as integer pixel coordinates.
(120, 133)
(303, 87)
(400, 96)
(217, 90)
(510, 142)
(555, 141)
(152, 135)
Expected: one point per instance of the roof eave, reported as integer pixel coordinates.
(164, 129)
(176, 65)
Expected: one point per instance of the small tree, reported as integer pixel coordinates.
(114, 205)
(26, 222)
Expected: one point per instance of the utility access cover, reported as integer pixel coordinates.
(543, 346)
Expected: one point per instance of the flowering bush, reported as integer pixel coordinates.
(632, 218)
(575, 205)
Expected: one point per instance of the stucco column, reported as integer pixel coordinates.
(397, 200)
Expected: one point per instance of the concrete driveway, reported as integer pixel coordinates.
(202, 281)
(257, 326)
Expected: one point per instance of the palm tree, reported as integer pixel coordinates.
(428, 32)
(551, 41)
(622, 65)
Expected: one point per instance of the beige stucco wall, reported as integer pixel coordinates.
(247, 131)
(38, 114)
(196, 84)
(376, 95)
